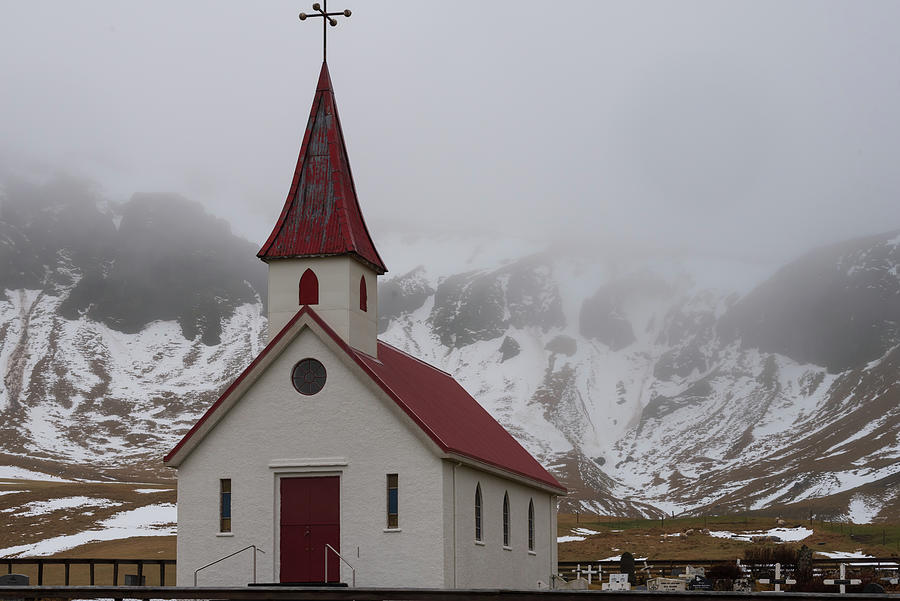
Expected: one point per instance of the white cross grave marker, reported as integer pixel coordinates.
(843, 581)
(577, 571)
(778, 580)
(589, 572)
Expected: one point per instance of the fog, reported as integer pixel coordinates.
(757, 129)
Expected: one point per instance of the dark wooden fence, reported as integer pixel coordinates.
(66, 593)
(162, 572)
(34, 567)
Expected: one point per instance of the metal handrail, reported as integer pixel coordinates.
(255, 551)
(341, 557)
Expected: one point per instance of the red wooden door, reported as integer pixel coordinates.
(310, 517)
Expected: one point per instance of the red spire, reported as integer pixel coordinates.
(321, 215)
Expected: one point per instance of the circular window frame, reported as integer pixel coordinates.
(317, 383)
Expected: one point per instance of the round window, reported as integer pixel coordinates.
(308, 376)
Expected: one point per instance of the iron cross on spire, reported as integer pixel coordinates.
(322, 11)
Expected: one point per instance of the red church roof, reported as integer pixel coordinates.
(448, 414)
(321, 215)
(436, 402)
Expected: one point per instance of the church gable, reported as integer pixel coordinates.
(308, 404)
(285, 376)
(436, 407)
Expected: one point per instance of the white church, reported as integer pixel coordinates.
(335, 449)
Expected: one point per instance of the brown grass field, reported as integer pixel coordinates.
(25, 521)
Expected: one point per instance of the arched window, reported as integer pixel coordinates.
(309, 288)
(531, 525)
(505, 519)
(363, 297)
(478, 512)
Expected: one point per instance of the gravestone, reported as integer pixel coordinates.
(14, 580)
(690, 572)
(617, 582)
(579, 584)
(576, 571)
(699, 583)
(666, 584)
(626, 566)
(778, 580)
(589, 571)
(804, 573)
(843, 581)
(742, 585)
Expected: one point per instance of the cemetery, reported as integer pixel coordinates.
(701, 563)
(688, 554)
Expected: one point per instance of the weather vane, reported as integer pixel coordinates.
(322, 11)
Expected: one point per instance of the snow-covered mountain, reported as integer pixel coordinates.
(649, 384)
(119, 324)
(648, 391)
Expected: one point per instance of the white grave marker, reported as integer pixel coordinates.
(843, 581)
(588, 571)
(666, 584)
(617, 582)
(778, 580)
(690, 572)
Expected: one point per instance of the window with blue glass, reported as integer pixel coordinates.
(392, 502)
(225, 505)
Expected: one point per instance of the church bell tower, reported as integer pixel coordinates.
(320, 252)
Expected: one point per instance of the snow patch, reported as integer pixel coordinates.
(844, 554)
(11, 472)
(785, 534)
(860, 512)
(44, 507)
(584, 531)
(150, 520)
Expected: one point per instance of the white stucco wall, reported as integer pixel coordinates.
(338, 297)
(349, 429)
(488, 564)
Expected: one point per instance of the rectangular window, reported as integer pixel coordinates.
(392, 501)
(225, 505)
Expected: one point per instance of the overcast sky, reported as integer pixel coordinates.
(755, 127)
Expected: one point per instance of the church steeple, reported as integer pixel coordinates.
(321, 215)
(320, 252)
